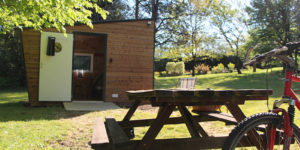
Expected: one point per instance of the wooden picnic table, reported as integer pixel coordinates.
(167, 100)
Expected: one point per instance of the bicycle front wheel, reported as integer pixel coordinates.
(253, 133)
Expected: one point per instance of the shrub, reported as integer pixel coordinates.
(179, 68)
(231, 67)
(170, 68)
(218, 69)
(173, 68)
(202, 69)
(12, 67)
(160, 64)
(163, 74)
(4, 83)
(188, 72)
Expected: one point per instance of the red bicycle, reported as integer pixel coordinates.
(275, 129)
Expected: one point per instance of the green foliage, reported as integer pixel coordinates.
(118, 10)
(212, 61)
(186, 30)
(230, 67)
(160, 64)
(202, 69)
(170, 68)
(171, 53)
(12, 68)
(209, 60)
(179, 68)
(218, 69)
(175, 68)
(3, 83)
(163, 74)
(38, 14)
(273, 23)
(231, 27)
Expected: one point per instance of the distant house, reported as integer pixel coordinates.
(97, 64)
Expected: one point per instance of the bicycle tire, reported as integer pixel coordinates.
(256, 122)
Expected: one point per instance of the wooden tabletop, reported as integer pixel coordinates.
(208, 96)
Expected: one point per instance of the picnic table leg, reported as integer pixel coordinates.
(236, 111)
(238, 114)
(130, 131)
(131, 111)
(156, 126)
(191, 124)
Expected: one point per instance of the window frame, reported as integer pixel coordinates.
(92, 60)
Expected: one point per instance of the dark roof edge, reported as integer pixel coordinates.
(128, 20)
(102, 22)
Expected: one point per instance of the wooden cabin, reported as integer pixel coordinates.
(86, 64)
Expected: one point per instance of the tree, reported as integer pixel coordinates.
(180, 28)
(45, 14)
(118, 10)
(191, 37)
(230, 26)
(12, 69)
(162, 12)
(274, 22)
(137, 4)
(200, 46)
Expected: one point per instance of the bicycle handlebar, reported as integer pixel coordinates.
(277, 52)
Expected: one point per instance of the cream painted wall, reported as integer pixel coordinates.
(55, 80)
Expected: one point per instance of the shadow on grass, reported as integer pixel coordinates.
(247, 80)
(255, 81)
(166, 83)
(12, 108)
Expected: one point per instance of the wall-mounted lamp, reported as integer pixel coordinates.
(149, 23)
(51, 46)
(110, 60)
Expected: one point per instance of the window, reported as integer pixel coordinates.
(83, 61)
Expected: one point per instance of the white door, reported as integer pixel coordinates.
(55, 82)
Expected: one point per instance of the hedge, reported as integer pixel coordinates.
(160, 64)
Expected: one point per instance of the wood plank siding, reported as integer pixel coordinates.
(129, 57)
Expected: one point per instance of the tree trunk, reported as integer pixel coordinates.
(137, 3)
(154, 16)
(239, 70)
(254, 67)
(296, 60)
(154, 9)
(193, 69)
(238, 64)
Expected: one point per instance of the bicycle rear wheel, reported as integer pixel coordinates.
(252, 133)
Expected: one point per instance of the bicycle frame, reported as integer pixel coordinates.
(287, 129)
(288, 91)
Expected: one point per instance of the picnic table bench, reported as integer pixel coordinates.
(113, 134)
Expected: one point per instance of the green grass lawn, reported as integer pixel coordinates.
(24, 127)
